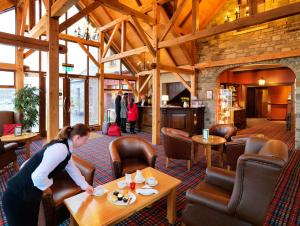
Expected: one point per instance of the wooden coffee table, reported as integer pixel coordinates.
(87, 210)
(212, 140)
(25, 137)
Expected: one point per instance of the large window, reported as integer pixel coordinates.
(93, 101)
(6, 99)
(7, 78)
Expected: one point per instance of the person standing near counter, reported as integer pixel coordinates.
(143, 101)
(132, 115)
(123, 112)
(118, 108)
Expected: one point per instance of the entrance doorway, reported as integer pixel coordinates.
(257, 102)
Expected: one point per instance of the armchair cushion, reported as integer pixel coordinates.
(223, 130)
(220, 177)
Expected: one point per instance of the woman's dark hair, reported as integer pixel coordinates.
(131, 102)
(69, 131)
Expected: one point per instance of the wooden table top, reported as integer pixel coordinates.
(13, 138)
(212, 140)
(90, 210)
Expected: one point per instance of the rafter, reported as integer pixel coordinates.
(131, 87)
(82, 13)
(75, 39)
(60, 7)
(145, 83)
(183, 82)
(142, 35)
(116, 28)
(172, 20)
(113, 23)
(284, 11)
(114, 4)
(176, 69)
(39, 28)
(89, 54)
(125, 54)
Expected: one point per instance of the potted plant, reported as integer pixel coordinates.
(26, 102)
(185, 101)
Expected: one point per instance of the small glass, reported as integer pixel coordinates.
(132, 185)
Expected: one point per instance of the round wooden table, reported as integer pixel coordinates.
(212, 140)
(25, 137)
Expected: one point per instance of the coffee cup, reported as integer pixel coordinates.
(99, 191)
(122, 184)
(151, 181)
(128, 178)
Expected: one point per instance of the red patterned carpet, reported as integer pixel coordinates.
(96, 152)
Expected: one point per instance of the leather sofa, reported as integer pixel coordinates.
(227, 198)
(130, 153)
(55, 212)
(178, 145)
(9, 117)
(223, 130)
(8, 155)
(237, 147)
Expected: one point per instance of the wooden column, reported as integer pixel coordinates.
(138, 86)
(19, 82)
(101, 81)
(156, 80)
(194, 84)
(52, 95)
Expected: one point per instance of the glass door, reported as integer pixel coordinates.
(77, 100)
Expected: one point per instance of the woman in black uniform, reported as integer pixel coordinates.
(21, 200)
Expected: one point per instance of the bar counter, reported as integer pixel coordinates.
(187, 119)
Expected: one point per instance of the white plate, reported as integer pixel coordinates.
(146, 191)
(98, 195)
(152, 185)
(121, 203)
(139, 181)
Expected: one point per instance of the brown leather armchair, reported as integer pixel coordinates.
(8, 155)
(64, 187)
(178, 145)
(130, 153)
(242, 198)
(237, 147)
(9, 117)
(223, 130)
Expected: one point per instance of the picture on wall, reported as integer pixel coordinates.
(209, 94)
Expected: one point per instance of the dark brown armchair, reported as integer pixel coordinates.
(63, 187)
(223, 130)
(130, 153)
(242, 198)
(178, 145)
(238, 146)
(9, 117)
(8, 155)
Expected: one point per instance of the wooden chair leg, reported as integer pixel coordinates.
(189, 165)
(167, 162)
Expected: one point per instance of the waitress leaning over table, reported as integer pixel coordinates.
(21, 200)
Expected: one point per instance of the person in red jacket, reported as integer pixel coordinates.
(132, 115)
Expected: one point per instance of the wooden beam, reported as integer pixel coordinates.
(125, 54)
(249, 59)
(75, 39)
(31, 7)
(60, 7)
(114, 4)
(278, 13)
(131, 87)
(25, 42)
(7, 67)
(142, 35)
(89, 54)
(195, 28)
(119, 77)
(113, 23)
(116, 28)
(39, 28)
(156, 79)
(123, 36)
(172, 20)
(101, 81)
(28, 53)
(145, 83)
(82, 13)
(141, 73)
(194, 84)
(176, 69)
(183, 82)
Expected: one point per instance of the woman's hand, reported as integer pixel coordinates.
(89, 190)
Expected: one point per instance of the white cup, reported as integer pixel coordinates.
(139, 174)
(151, 181)
(99, 191)
(122, 184)
(127, 178)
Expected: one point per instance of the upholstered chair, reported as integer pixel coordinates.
(55, 212)
(9, 117)
(239, 145)
(237, 198)
(8, 155)
(178, 145)
(130, 153)
(223, 130)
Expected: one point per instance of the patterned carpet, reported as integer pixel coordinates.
(96, 152)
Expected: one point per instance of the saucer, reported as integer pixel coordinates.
(139, 180)
(154, 184)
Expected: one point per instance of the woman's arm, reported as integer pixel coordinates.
(53, 155)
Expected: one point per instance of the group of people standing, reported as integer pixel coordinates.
(125, 111)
